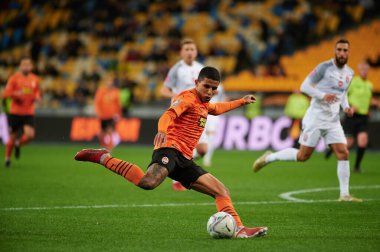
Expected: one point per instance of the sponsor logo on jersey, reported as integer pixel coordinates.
(340, 83)
(202, 121)
(165, 160)
(347, 79)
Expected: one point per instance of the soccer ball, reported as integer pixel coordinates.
(221, 225)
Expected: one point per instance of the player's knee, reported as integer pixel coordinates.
(30, 134)
(362, 141)
(343, 154)
(202, 150)
(148, 183)
(222, 192)
(302, 157)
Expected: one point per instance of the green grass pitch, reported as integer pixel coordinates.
(49, 202)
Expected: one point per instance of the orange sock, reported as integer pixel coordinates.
(24, 139)
(8, 149)
(224, 204)
(129, 171)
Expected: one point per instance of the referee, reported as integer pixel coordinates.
(360, 98)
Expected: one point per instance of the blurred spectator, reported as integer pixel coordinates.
(118, 34)
(81, 95)
(374, 63)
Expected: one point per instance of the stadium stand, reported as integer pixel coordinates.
(259, 46)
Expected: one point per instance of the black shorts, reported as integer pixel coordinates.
(107, 123)
(180, 168)
(17, 122)
(356, 124)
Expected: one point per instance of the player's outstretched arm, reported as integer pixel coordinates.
(165, 120)
(223, 107)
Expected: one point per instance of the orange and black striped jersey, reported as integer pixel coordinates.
(189, 120)
(24, 91)
(107, 103)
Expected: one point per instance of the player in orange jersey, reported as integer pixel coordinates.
(108, 110)
(23, 88)
(179, 130)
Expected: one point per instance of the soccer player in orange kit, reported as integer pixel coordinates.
(108, 110)
(23, 88)
(179, 130)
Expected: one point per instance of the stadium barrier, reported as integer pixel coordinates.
(234, 132)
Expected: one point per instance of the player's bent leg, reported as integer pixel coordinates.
(289, 154)
(8, 149)
(154, 176)
(362, 140)
(304, 153)
(340, 150)
(129, 171)
(27, 136)
(210, 185)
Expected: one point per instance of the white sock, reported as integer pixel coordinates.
(210, 149)
(195, 154)
(289, 154)
(344, 176)
(115, 138)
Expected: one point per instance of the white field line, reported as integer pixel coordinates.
(288, 199)
(288, 195)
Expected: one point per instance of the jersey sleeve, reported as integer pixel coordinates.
(10, 87)
(180, 104)
(223, 107)
(171, 78)
(317, 74)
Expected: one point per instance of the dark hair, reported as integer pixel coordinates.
(209, 73)
(342, 41)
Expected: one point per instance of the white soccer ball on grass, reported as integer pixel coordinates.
(221, 225)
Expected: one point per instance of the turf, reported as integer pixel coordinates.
(44, 200)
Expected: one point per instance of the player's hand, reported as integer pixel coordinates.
(330, 98)
(249, 99)
(349, 112)
(160, 139)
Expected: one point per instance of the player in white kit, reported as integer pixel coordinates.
(212, 126)
(327, 85)
(181, 77)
